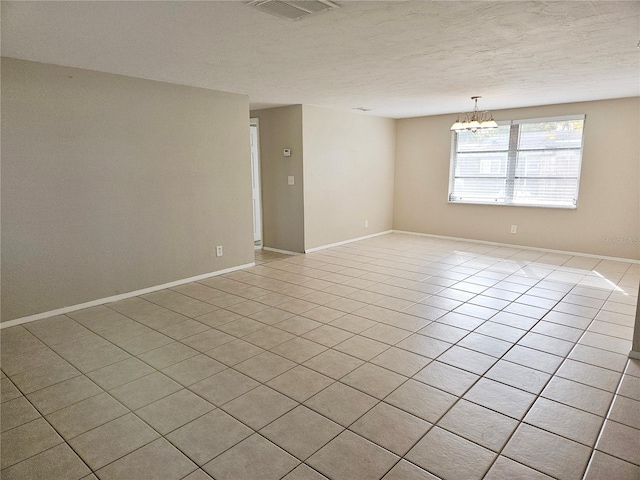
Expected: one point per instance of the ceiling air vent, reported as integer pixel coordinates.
(293, 9)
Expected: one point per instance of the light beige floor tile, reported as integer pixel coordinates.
(501, 398)
(599, 357)
(468, 360)
(268, 337)
(577, 425)
(333, 364)
(630, 387)
(421, 400)
(328, 335)
(145, 390)
(506, 469)
(17, 412)
(626, 411)
(271, 316)
(341, 403)
(351, 457)
(119, 373)
(173, 411)
(21, 362)
(234, 352)
(298, 349)
(107, 443)
(82, 344)
(524, 378)
(373, 380)
(385, 333)
(198, 475)
(589, 375)
(145, 342)
(44, 376)
(253, 458)
(184, 329)
(86, 415)
(447, 378)
(620, 441)
(423, 345)
(401, 361)
(62, 394)
(8, 390)
(223, 387)
(391, 428)
(158, 460)
(218, 317)
(478, 424)
(27, 440)
(547, 344)
(362, 348)
(241, 327)
(535, 359)
(197, 442)
(207, 340)
(18, 340)
(301, 432)
(459, 320)
(259, 406)
(323, 314)
(59, 462)
(193, 369)
(548, 453)
(300, 383)
(444, 333)
(578, 395)
(449, 456)
(265, 366)
(404, 470)
(298, 325)
(606, 466)
(95, 359)
(304, 472)
(57, 329)
(167, 355)
(487, 345)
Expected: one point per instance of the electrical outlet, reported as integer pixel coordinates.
(366, 224)
(219, 251)
(514, 229)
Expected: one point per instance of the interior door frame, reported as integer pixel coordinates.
(255, 122)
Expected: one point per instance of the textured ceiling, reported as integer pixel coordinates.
(399, 59)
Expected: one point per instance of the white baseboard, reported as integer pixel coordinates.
(634, 355)
(122, 296)
(521, 247)
(277, 250)
(323, 247)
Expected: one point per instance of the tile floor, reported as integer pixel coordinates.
(398, 357)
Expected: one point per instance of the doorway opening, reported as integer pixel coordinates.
(255, 183)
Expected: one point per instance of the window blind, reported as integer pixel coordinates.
(532, 162)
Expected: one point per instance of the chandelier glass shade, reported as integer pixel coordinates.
(474, 120)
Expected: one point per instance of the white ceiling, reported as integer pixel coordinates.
(400, 59)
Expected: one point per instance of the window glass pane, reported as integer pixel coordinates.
(540, 191)
(548, 163)
(564, 134)
(489, 164)
(479, 189)
(484, 140)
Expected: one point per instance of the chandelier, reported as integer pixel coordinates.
(475, 120)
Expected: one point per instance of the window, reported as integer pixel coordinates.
(523, 162)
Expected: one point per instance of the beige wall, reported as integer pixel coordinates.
(348, 175)
(112, 184)
(608, 205)
(282, 204)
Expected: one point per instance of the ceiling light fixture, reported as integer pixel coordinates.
(474, 120)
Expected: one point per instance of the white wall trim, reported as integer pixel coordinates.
(277, 250)
(323, 247)
(522, 247)
(122, 296)
(635, 355)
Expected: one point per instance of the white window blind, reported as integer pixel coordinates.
(532, 162)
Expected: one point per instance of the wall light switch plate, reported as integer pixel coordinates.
(290, 180)
(514, 229)
(286, 152)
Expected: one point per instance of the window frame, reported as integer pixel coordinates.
(512, 155)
